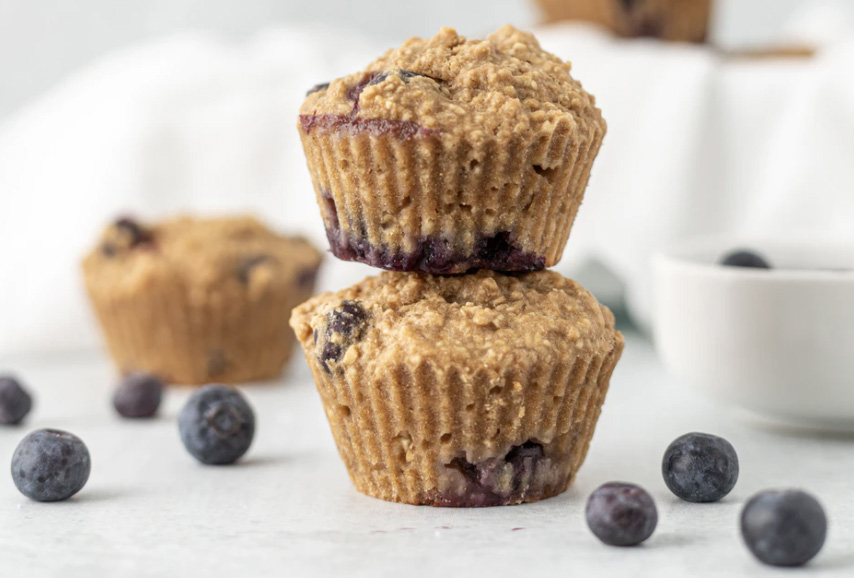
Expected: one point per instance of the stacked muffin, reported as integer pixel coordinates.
(467, 375)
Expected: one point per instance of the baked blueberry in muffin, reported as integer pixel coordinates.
(447, 155)
(199, 300)
(461, 391)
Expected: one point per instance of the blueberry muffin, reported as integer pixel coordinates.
(475, 390)
(447, 155)
(675, 20)
(199, 300)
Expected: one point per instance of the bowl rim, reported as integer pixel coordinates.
(681, 255)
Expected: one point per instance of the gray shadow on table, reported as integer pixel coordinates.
(271, 460)
(843, 561)
(670, 540)
(99, 495)
(786, 430)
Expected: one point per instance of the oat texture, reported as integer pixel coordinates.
(199, 300)
(473, 390)
(448, 154)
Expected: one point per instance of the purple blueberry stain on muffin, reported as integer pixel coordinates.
(307, 277)
(135, 233)
(369, 79)
(486, 482)
(434, 255)
(403, 130)
(126, 234)
(405, 75)
(217, 363)
(317, 88)
(249, 264)
(345, 325)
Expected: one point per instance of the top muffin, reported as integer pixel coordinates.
(454, 88)
(447, 154)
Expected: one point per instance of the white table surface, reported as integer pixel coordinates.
(288, 509)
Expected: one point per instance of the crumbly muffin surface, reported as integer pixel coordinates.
(478, 390)
(205, 254)
(448, 85)
(481, 320)
(199, 300)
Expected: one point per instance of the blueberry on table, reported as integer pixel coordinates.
(15, 402)
(138, 395)
(700, 467)
(50, 465)
(621, 514)
(784, 527)
(744, 258)
(217, 425)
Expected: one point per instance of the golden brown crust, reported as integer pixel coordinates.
(199, 300)
(418, 372)
(475, 90)
(444, 145)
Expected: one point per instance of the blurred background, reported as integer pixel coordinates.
(112, 107)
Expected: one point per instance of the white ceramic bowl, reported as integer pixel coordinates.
(778, 343)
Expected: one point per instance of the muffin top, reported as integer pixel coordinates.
(204, 254)
(483, 320)
(447, 85)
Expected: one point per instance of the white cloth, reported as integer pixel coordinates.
(696, 144)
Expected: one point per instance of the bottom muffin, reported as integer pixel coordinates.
(477, 390)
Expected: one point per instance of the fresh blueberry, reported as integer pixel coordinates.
(744, 258)
(784, 527)
(50, 465)
(15, 402)
(700, 467)
(138, 395)
(621, 514)
(217, 425)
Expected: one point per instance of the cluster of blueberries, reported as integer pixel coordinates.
(216, 425)
(780, 527)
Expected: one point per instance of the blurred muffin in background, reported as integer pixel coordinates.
(199, 300)
(674, 20)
